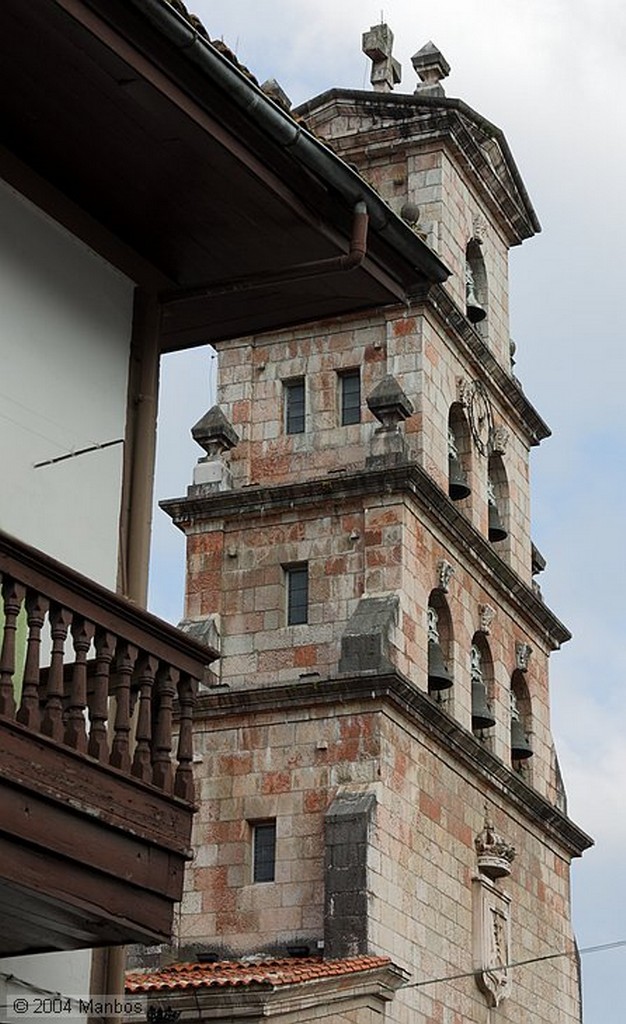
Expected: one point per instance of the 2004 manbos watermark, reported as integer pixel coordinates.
(58, 1008)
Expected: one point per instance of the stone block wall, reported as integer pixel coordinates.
(428, 815)
(298, 765)
(427, 364)
(251, 394)
(381, 546)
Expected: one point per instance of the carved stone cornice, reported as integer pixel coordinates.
(479, 355)
(407, 479)
(479, 146)
(395, 690)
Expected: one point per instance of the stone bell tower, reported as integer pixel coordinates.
(378, 773)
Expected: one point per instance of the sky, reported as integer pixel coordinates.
(552, 75)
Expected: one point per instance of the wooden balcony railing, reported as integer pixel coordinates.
(95, 673)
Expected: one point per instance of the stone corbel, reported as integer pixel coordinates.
(486, 615)
(445, 572)
(523, 652)
(499, 440)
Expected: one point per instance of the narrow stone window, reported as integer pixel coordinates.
(295, 408)
(264, 851)
(297, 580)
(350, 390)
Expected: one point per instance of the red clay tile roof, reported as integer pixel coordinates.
(269, 972)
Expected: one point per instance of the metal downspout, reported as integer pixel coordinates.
(299, 272)
(312, 153)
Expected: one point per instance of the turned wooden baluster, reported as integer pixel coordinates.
(75, 726)
(124, 664)
(52, 724)
(13, 595)
(99, 706)
(183, 781)
(162, 774)
(30, 712)
(142, 761)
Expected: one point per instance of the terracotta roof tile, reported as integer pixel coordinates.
(289, 971)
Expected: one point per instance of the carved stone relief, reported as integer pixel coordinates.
(445, 572)
(491, 940)
(486, 615)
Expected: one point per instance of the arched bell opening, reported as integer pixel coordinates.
(481, 669)
(440, 674)
(459, 454)
(497, 499)
(476, 291)
(521, 723)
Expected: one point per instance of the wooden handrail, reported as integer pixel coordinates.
(99, 675)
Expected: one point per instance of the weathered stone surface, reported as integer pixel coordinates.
(214, 432)
(365, 643)
(347, 824)
(389, 403)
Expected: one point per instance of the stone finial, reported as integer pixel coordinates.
(386, 71)
(214, 433)
(493, 854)
(275, 92)
(390, 406)
(523, 652)
(431, 66)
(445, 572)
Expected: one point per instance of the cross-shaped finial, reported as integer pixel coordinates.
(377, 44)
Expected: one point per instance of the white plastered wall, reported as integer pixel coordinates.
(65, 329)
(65, 325)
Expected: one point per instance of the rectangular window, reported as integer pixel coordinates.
(294, 406)
(297, 580)
(264, 851)
(350, 385)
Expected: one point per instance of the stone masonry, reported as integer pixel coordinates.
(334, 728)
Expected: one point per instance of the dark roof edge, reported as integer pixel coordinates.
(422, 709)
(289, 135)
(445, 102)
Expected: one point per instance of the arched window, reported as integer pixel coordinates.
(440, 678)
(476, 294)
(498, 499)
(481, 667)
(521, 723)
(459, 454)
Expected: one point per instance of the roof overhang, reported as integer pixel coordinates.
(135, 132)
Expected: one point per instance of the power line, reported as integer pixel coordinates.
(521, 963)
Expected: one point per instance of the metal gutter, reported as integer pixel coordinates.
(290, 136)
